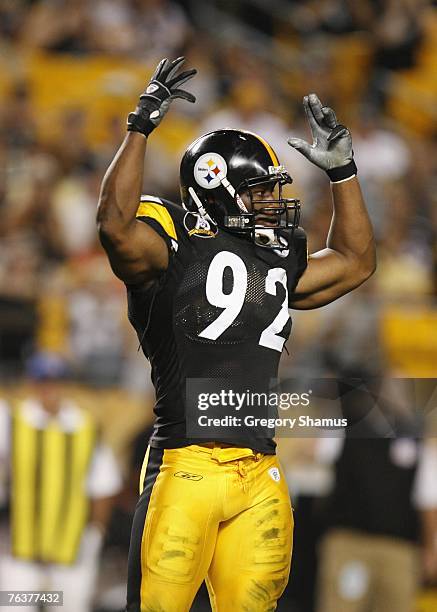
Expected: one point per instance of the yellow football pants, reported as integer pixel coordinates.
(220, 514)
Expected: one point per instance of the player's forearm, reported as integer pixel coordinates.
(121, 188)
(351, 232)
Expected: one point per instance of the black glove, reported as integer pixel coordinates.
(332, 143)
(156, 99)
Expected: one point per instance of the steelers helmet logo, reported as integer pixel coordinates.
(210, 169)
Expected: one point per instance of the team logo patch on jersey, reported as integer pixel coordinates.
(196, 225)
(274, 474)
(188, 476)
(209, 170)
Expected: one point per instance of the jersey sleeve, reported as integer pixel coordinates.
(163, 217)
(300, 250)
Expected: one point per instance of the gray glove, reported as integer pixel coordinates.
(161, 91)
(332, 143)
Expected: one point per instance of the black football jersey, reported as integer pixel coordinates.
(219, 312)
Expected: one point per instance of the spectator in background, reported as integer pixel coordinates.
(250, 108)
(97, 326)
(384, 157)
(35, 219)
(113, 26)
(71, 147)
(73, 208)
(406, 257)
(396, 30)
(162, 29)
(62, 479)
(346, 340)
(397, 27)
(382, 153)
(206, 86)
(17, 122)
(384, 480)
(62, 26)
(12, 14)
(311, 17)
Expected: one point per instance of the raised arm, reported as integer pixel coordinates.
(137, 254)
(349, 257)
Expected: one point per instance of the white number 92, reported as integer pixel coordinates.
(233, 302)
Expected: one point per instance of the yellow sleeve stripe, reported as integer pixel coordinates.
(160, 214)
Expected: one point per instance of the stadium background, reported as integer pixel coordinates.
(71, 70)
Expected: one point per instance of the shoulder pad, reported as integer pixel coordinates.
(163, 212)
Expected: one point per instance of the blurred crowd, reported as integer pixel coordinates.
(71, 70)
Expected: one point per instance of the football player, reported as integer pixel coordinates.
(209, 285)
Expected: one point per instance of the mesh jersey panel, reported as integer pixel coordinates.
(193, 314)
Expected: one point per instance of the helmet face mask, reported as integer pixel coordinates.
(272, 210)
(233, 178)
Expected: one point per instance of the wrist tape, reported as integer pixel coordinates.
(342, 172)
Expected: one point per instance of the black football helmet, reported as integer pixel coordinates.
(221, 166)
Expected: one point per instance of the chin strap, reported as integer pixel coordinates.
(202, 210)
(230, 189)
